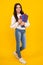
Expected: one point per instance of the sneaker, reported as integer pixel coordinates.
(22, 60)
(16, 55)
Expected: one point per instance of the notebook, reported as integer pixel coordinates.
(24, 18)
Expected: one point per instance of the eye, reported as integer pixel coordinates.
(18, 7)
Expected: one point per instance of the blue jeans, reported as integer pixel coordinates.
(20, 36)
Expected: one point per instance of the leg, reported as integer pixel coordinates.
(23, 40)
(18, 38)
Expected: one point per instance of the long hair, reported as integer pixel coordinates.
(15, 13)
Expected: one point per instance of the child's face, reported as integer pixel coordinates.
(18, 8)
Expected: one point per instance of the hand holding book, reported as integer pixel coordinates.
(24, 18)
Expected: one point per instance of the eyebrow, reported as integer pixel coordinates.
(17, 6)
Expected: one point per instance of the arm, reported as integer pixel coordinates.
(14, 24)
(27, 24)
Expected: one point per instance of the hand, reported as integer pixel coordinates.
(22, 23)
(19, 21)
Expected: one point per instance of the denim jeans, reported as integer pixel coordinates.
(20, 37)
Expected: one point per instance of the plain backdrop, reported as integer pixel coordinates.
(33, 53)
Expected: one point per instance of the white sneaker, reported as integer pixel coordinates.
(16, 55)
(22, 60)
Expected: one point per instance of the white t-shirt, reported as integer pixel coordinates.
(14, 24)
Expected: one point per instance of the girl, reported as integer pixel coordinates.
(17, 23)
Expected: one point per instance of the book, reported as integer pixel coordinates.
(24, 18)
